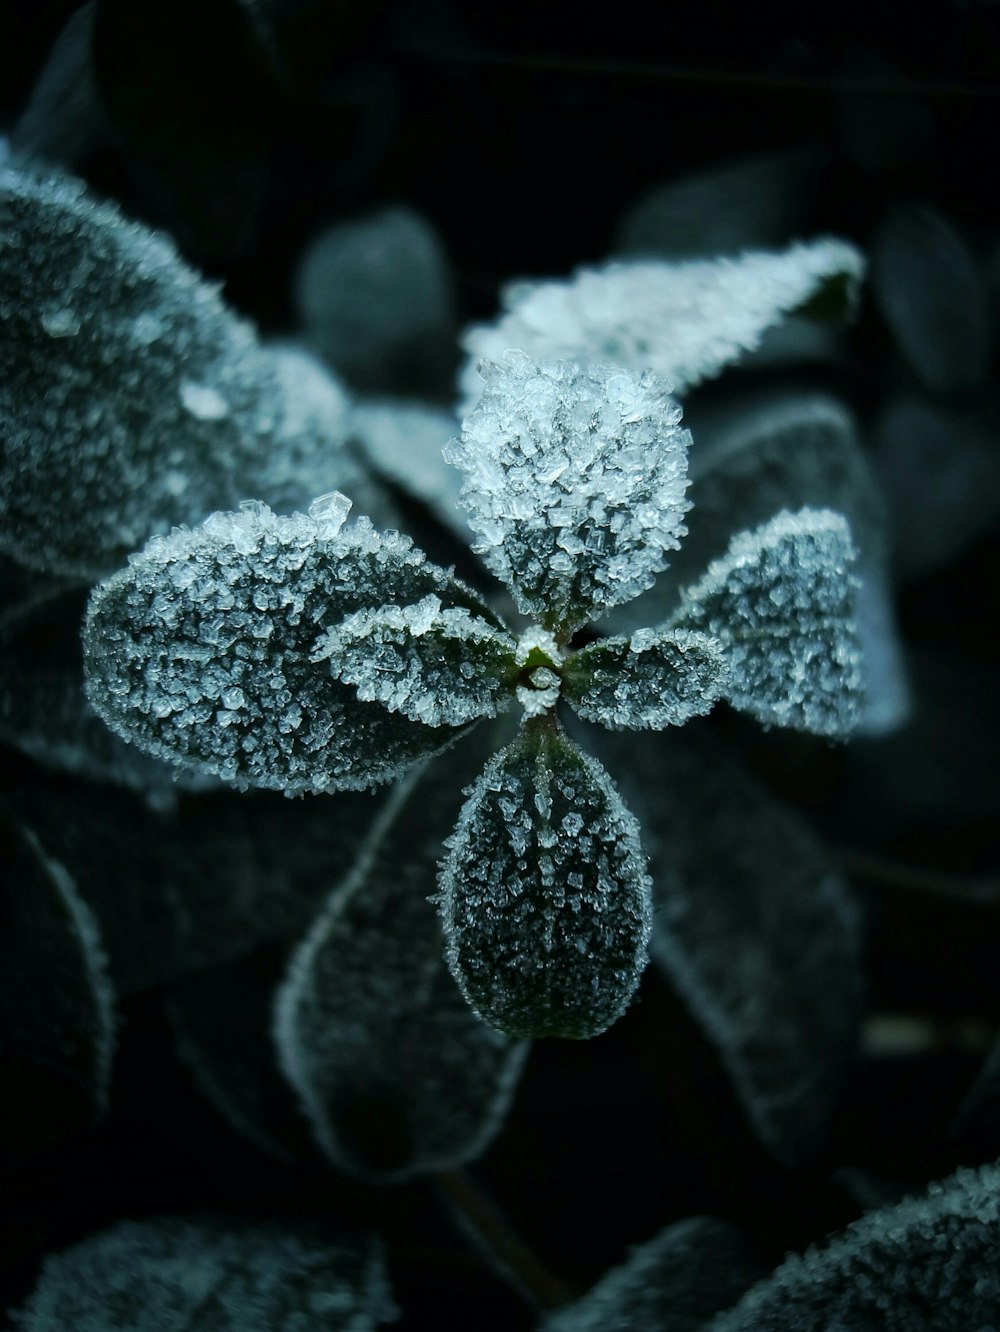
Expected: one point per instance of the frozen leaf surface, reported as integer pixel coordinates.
(654, 679)
(686, 321)
(672, 1283)
(202, 649)
(171, 1274)
(56, 1003)
(781, 600)
(929, 1262)
(575, 479)
(436, 666)
(131, 399)
(754, 929)
(396, 1074)
(544, 895)
(933, 296)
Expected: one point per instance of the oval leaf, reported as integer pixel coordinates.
(928, 1262)
(544, 895)
(441, 667)
(131, 399)
(397, 1075)
(654, 679)
(686, 321)
(56, 1003)
(170, 1274)
(575, 480)
(781, 600)
(201, 651)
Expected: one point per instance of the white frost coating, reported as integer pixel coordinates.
(686, 321)
(439, 667)
(575, 479)
(781, 600)
(172, 1273)
(203, 401)
(653, 680)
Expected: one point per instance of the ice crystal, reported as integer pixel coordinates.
(649, 681)
(203, 649)
(685, 320)
(781, 602)
(575, 480)
(544, 899)
(411, 659)
(927, 1262)
(172, 1273)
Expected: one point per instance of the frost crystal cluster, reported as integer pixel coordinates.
(304, 654)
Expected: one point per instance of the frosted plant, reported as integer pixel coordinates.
(305, 654)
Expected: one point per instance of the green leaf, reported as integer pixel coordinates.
(781, 600)
(131, 399)
(397, 1075)
(755, 930)
(928, 1262)
(171, 1274)
(440, 667)
(57, 1017)
(202, 649)
(575, 479)
(686, 321)
(654, 679)
(544, 897)
(672, 1283)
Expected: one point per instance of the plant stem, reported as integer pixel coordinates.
(484, 1224)
(980, 890)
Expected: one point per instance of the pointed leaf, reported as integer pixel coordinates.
(174, 1273)
(686, 321)
(544, 896)
(654, 679)
(575, 480)
(440, 667)
(201, 651)
(131, 399)
(928, 1262)
(781, 602)
(375, 298)
(63, 121)
(397, 1075)
(56, 1003)
(755, 930)
(932, 293)
(672, 1283)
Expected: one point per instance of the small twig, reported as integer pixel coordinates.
(484, 1223)
(981, 890)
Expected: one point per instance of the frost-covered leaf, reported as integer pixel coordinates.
(56, 1003)
(436, 666)
(202, 649)
(402, 442)
(927, 1263)
(575, 480)
(131, 399)
(672, 1283)
(687, 321)
(754, 202)
(781, 601)
(44, 712)
(933, 295)
(375, 298)
(654, 679)
(174, 1273)
(544, 895)
(396, 1074)
(786, 450)
(754, 928)
(941, 471)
